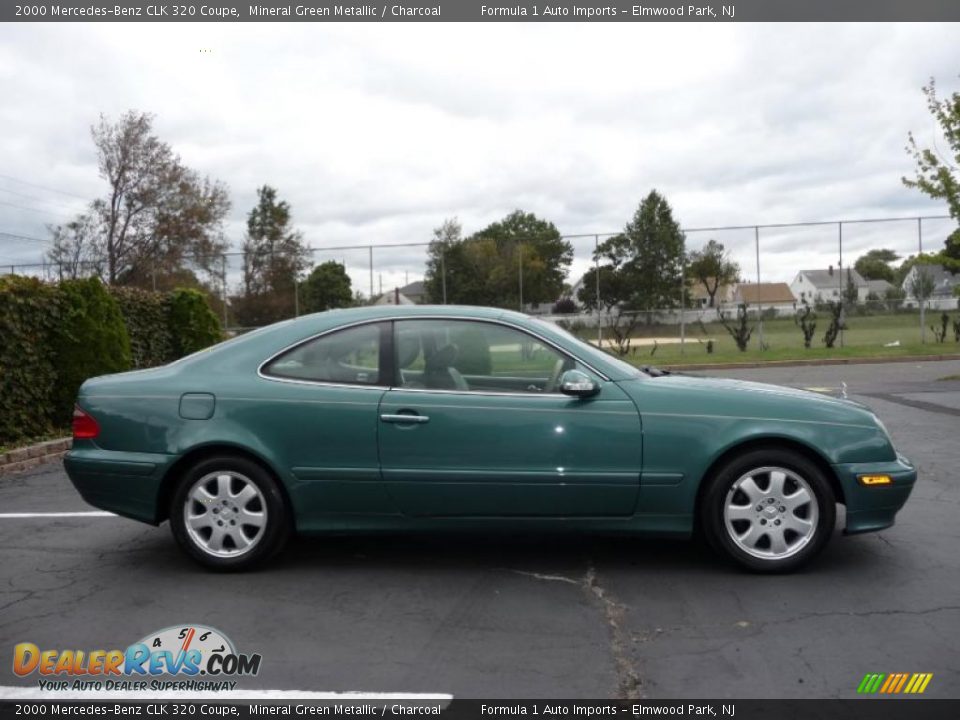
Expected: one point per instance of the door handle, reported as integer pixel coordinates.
(404, 418)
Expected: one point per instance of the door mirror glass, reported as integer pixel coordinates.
(578, 384)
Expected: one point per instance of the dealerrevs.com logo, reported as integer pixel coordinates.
(196, 656)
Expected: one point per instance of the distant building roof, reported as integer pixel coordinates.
(698, 290)
(414, 290)
(878, 287)
(943, 280)
(832, 279)
(764, 293)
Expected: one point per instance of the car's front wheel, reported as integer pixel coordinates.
(771, 509)
(229, 514)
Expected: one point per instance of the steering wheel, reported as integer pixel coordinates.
(554, 381)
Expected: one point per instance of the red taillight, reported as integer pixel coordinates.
(84, 426)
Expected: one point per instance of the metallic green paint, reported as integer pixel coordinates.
(630, 459)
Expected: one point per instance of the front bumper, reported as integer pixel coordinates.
(872, 508)
(124, 483)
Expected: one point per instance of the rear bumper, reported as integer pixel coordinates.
(124, 483)
(876, 507)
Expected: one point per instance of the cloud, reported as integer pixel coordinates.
(375, 134)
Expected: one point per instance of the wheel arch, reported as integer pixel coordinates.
(175, 472)
(757, 443)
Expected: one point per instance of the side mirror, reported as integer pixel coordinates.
(578, 384)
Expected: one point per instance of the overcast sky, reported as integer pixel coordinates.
(376, 133)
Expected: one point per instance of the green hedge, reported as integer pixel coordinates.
(90, 339)
(29, 312)
(145, 314)
(53, 337)
(193, 325)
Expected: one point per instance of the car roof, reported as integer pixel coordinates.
(256, 346)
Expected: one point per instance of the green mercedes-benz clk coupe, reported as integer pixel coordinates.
(435, 418)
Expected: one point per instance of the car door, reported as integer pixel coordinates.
(475, 425)
(319, 414)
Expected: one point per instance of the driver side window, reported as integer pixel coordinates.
(475, 356)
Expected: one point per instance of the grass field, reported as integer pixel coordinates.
(865, 337)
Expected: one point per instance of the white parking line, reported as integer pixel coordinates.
(10, 692)
(98, 513)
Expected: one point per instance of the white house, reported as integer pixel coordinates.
(822, 285)
(944, 282)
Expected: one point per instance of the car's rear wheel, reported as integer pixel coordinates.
(228, 513)
(769, 509)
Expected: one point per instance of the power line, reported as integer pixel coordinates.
(37, 199)
(35, 210)
(23, 237)
(41, 187)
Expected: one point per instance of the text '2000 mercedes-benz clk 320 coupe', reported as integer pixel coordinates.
(437, 418)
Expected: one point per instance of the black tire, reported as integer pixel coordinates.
(266, 506)
(742, 538)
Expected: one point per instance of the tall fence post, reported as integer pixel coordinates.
(296, 295)
(443, 273)
(923, 325)
(223, 286)
(756, 238)
(596, 272)
(520, 270)
(370, 249)
(843, 312)
(683, 297)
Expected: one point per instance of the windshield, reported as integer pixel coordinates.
(588, 350)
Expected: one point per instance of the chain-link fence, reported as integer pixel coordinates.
(792, 277)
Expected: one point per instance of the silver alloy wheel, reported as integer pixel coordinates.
(225, 514)
(771, 513)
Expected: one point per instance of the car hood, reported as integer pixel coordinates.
(724, 396)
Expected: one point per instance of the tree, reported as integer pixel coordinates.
(921, 285)
(77, 251)
(875, 265)
(837, 322)
(614, 296)
(521, 257)
(850, 294)
(326, 287)
(650, 251)
(741, 329)
(273, 256)
(445, 238)
(712, 267)
(806, 320)
(640, 269)
(157, 216)
(951, 246)
(936, 174)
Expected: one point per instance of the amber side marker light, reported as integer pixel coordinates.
(875, 479)
(84, 425)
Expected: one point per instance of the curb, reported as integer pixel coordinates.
(818, 361)
(19, 459)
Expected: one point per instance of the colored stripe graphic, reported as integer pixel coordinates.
(894, 683)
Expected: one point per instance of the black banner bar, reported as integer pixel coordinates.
(872, 708)
(481, 11)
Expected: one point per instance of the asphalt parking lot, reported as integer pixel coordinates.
(527, 616)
